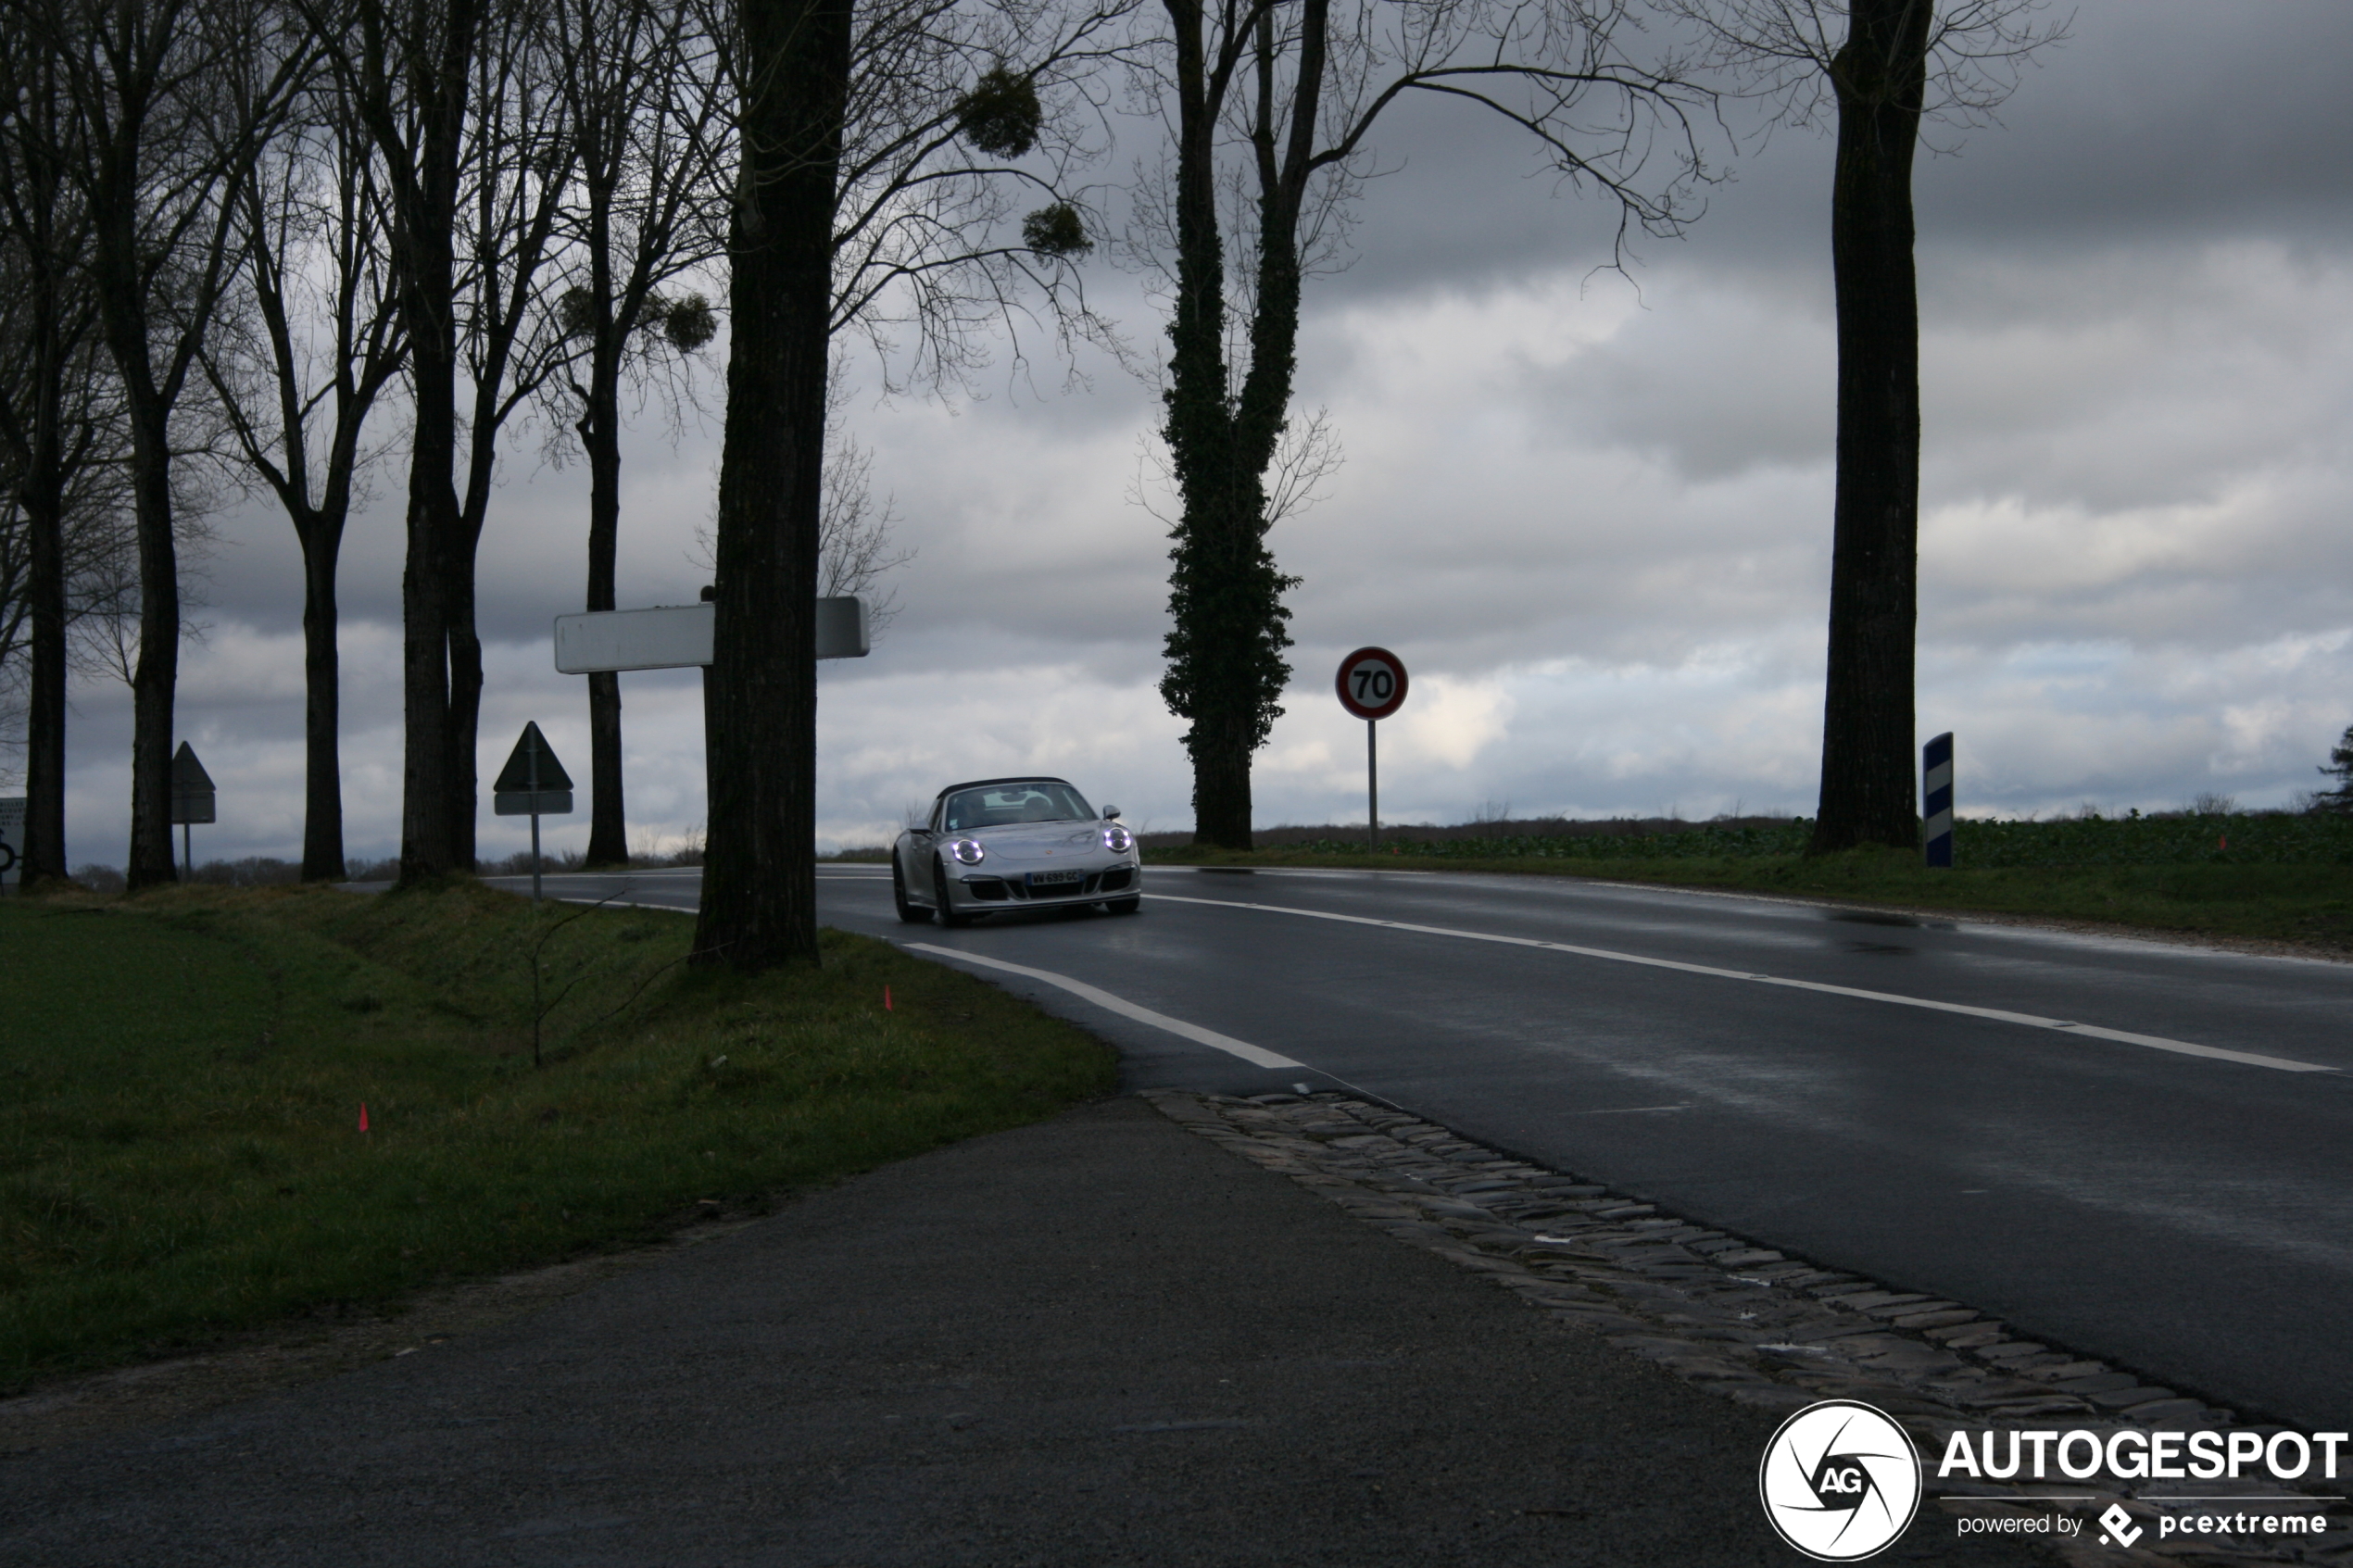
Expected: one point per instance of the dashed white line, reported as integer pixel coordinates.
(1121, 1005)
(1999, 1015)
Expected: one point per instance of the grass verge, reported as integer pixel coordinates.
(2307, 904)
(181, 1076)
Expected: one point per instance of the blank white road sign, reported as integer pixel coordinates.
(675, 636)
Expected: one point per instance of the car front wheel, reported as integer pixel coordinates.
(913, 914)
(948, 915)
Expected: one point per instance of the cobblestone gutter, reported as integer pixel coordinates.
(1745, 1321)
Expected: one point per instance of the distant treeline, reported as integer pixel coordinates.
(2165, 838)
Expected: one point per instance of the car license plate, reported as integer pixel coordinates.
(1055, 879)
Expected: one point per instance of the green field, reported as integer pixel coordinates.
(180, 1144)
(2270, 875)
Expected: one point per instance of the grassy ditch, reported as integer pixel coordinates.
(181, 1076)
(2273, 876)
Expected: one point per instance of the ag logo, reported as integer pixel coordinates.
(1840, 1481)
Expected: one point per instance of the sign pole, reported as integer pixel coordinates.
(534, 827)
(1371, 684)
(191, 801)
(531, 782)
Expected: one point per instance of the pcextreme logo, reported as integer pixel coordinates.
(1840, 1481)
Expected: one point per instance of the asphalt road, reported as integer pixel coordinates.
(1095, 1342)
(2141, 1150)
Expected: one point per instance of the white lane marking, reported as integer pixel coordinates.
(1121, 1005)
(2153, 1042)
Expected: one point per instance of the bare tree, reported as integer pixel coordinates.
(173, 100)
(473, 149)
(646, 206)
(884, 157)
(857, 544)
(106, 596)
(857, 535)
(1272, 106)
(60, 419)
(406, 71)
(1884, 66)
(319, 344)
(523, 149)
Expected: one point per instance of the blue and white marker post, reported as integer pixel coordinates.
(1936, 791)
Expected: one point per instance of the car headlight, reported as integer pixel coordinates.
(1118, 840)
(968, 850)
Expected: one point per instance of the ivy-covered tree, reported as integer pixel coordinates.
(1274, 103)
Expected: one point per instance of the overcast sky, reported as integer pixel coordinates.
(1591, 512)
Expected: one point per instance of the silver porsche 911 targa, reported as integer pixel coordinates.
(1014, 844)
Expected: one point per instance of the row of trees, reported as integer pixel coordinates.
(276, 244)
(241, 225)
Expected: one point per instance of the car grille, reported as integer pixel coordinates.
(1117, 877)
(1055, 890)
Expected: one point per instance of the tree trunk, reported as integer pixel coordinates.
(156, 679)
(426, 848)
(608, 826)
(759, 885)
(462, 779)
(118, 274)
(322, 860)
(600, 434)
(423, 246)
(1867, 794)
(44, 767)
(44, 502)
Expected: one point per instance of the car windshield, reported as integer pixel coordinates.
(996, 805)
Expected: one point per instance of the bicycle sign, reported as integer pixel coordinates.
(1372, 683)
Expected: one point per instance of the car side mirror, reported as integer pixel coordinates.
(1110, 813)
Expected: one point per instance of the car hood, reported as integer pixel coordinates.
(1039, 841)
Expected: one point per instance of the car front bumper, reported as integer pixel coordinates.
(1003, 889)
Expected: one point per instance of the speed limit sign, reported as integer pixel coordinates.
(1372, 687)
(1372, 683)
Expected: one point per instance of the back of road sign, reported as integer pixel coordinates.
(191, 791)
(676, 637)
(533, 783)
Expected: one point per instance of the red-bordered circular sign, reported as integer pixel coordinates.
(1371, 683)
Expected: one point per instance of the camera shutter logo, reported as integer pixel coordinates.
(1840, 1481)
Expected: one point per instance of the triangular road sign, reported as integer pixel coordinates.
(517, 776)
(191, 791)
(187, 773)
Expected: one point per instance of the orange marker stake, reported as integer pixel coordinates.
(363, 1115)
(886, 999)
